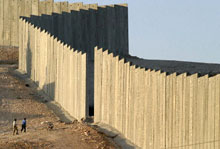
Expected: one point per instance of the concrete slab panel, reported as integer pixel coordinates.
(67, 79)
(35, 53)
(72, 6)
(54, 66)
(67, 29)
(150, 111)
(98, 85)
(137, 109)
(64, 6)
(65, 76)
(49, 7)
(1, 21)
(162, 112)
(21, 5)
(60, 27)
(187, 110)
(92, 29)
(75, 82)
(55, 48)
(109, 87)
(217, 116)
(56, 7)
(110, 28)
(146, 88)
(125, 97)
(179, 106)
(120, 96)
(32, 49)
(52, 61)
(25, 47)
(122, 29)
(28, 8)
(155, 110)
(174, 115)
(42, 7)
(45, 60)
(127, 73)
(35, 7)
(116, 59)
(62, 74)
(170, 110)
(84, 63)
(38, 55)
(14, 22)
(20, 43)
(6, 24)
(191, 110)
(78, 72)
(70, 88)
(205, 118)
(183, 108)
(48, 67)
(141, 102)
(211, 111)
(59, 67)
(200, 105)
(104, 86)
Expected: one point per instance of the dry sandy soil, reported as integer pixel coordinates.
(8, 54)
(17, 100)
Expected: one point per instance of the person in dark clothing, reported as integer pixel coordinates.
(23, 125)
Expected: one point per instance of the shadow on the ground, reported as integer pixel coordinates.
(10, 116)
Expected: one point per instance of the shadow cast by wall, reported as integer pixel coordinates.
(83, 30)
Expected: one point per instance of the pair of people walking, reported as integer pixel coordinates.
(15, 126)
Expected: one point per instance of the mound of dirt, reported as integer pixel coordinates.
(19, 101)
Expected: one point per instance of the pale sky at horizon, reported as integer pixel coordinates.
(172, 29)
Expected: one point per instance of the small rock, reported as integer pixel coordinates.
(86, 133)
(27, 85)
(45, 101)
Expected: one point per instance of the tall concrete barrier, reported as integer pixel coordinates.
(87, 26)
(55, 67)
(9, 20)
(83, 28)
(153, 109)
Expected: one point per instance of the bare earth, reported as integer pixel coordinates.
(19, 101)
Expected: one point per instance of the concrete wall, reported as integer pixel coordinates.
(87, 26)
(57, 69)
(156, 110)
(11, 10)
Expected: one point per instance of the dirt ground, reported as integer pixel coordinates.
(8, 54)
(17, 100)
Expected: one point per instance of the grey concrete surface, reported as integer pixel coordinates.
(50, 68)
(162, 110)
(9, 30)
(176, 66)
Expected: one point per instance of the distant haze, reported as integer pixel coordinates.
(187, 30)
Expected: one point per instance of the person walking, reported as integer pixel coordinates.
(15, 127)
(23, 125)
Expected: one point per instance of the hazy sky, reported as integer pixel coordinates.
(186, 30)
